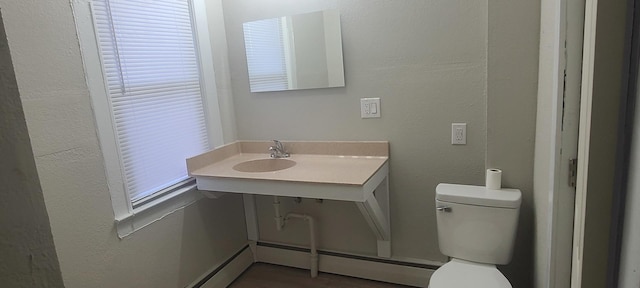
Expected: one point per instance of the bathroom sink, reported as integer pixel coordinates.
(264, 165)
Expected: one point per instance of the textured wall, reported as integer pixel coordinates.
(26, 244)
(169, 253)
(426, 60)
(512, 83)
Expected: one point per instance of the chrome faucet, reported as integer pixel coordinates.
(277, 150)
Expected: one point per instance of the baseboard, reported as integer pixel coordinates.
(398, 272)
(227, 272)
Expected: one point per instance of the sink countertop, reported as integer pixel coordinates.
(346, 163)
(342, 171)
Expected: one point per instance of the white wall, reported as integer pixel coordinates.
(169, 253)
(512, 71)
(426, 60)
(28, 255)
(431, 63)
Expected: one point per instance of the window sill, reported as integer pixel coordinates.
(157, 209)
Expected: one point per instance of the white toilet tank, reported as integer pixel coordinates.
(477, 224)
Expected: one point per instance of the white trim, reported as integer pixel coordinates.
(97, 90)
(556, 136)
(128, 219)
(386, 272)
(559, 65)
(156, 210)
(591, 9)
(209, 88)
(229, 273)
(253, 245)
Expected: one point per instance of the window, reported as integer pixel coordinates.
(149, 87)
(153, 82)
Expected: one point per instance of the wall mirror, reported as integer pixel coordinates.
(295, 52)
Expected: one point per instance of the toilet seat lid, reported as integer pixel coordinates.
(464, 274)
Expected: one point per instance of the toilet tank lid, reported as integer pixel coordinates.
(479, 195)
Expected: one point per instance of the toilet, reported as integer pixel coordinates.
(477, 230)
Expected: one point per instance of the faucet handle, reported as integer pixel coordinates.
(277, 150)
(278, 145)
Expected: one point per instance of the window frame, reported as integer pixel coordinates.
(164, 202)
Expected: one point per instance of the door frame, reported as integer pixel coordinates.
(562, 212)
(586, 99)
(559, 86)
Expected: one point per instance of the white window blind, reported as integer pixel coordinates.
(153, 81)
(264, 43)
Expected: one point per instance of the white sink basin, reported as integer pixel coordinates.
(264, 165)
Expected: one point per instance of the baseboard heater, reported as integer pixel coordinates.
(396, 271)
(222, 266)
(349, 256)
(379, 269)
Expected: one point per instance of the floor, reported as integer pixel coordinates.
(262, 275)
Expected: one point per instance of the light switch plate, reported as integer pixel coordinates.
(458, 133)
(370, 107)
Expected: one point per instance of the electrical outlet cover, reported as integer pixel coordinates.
(370, 107)
(458, 133)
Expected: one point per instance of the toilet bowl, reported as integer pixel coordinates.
(464, 274)
(477, 229)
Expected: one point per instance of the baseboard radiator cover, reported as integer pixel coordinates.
(224, 274)
(372, 268)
